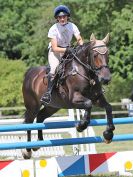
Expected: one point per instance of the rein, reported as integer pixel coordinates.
(86, 66)
(75, 70)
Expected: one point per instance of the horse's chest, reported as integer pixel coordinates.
(60, 98)
(95, 92)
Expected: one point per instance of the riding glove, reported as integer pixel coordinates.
(69, 50)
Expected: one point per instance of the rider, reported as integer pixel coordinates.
(60, 35)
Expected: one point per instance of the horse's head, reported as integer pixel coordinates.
(93, 56)
(99, 58)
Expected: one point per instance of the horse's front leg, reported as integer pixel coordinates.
(108, 133)
(85, 121)
(80, 101)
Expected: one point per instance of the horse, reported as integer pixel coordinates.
(79, 85)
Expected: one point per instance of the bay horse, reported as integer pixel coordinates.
(81, 75)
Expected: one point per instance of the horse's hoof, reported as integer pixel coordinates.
(107, 141)
(81, 126)
(78, 129)
(26, 154)
(108, 135)
(35, 149)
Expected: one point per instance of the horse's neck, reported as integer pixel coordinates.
(79, 68)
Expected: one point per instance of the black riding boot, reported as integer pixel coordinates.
(46, 98)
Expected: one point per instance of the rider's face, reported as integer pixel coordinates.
(62, 19)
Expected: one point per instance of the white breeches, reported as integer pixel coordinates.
(53, 59)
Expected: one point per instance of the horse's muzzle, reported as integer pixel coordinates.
(104, 80)
(104, 75)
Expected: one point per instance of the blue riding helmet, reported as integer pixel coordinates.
(61, 10)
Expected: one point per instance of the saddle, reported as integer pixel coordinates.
(58, 80)
(60, 70)
(59, 73)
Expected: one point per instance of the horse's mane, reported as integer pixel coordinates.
(77, 50)
(85, 46)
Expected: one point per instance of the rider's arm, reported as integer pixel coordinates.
(79, 39)
(55, 47)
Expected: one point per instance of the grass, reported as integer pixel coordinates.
(115, 146)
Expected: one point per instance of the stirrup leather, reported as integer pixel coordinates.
(46, 98)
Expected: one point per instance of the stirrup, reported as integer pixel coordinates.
(46, 98)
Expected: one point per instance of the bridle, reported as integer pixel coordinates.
(97, 47)
(95, 68)
(89, 67)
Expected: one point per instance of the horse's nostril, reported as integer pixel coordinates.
(104, 80)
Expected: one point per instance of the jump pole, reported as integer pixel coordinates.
(116, 158)
(62, 124)
(62, 142)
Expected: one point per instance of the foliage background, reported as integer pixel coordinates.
(23, 40)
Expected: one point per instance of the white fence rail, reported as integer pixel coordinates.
(124, 106)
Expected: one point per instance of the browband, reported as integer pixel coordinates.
(98, 46)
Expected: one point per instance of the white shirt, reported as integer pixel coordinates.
(63, 33)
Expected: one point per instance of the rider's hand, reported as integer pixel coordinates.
(69, 50)
(81, 46)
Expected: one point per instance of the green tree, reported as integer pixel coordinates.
(122, 43)
(11, 78)
(118, 88)
(23, 35)
(36, 50)
(17, 19)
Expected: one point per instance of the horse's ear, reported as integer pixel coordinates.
(106, 39)
(92, 38)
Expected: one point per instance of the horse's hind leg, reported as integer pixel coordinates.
(29, 118)
(83, 124)
(42, 115)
